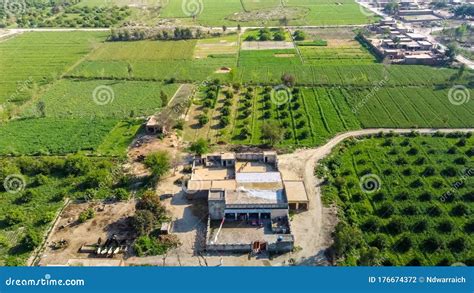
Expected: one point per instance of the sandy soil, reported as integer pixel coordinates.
(109, 220)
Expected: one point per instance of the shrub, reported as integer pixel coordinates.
(203, 119)
(159, 162)
(445, 226)
(449, 172)
(396, 226)
(429, 171)
(410, 210)
(460, 210)
(459, 244)
(371, 225)
(403, 244)
(144, 222)
(460, 161)
(416, 183)
(434, 211)
(425, 196)
(380, 241)
(31, 240)
(431, 244)
(14, 216)
(469, 227)
(420, 226)
(386, 210)
(27, 196)
(199, 147)
(121, 194)
(86, 215)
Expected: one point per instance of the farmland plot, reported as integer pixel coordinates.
(409, 107)
(104, 98)
(37, 58)
(410, 213)
(53, 135)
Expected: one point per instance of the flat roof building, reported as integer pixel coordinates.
(248, 201)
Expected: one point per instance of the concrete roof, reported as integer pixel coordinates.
(224, 184)
(295, 191)
(252, 196)
(419, 56)
(415, 36)
(266, 177)
(198, 185)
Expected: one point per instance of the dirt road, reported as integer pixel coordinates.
(313, 232)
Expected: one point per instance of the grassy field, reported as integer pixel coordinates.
(33, 59)
(102, 98)
(419, 208)
(156, 60)
(266, 12)
(53, 135)
(144, 50)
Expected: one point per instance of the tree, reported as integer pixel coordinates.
(272, 132)
(346, 238)
(288, 79)
(143, 222)
(200, 147)
(465, 10)
(459, 244)
(203, 119)
(159, 162)
(391, 7)
(431, 244)
(27, 196)
(299, 35)
(14, 216)
(451, 51)
(403, 244)
(370, 257)
(31, 240)
(164, 99)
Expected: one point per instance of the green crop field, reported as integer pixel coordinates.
(349, 52)
(409, 197)
(266, 12)
(33, 59)
(102, 98)
(144, 50)
(152, 60)
(406, 107)
(53, 135)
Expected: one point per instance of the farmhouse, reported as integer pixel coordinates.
(248, 201)
(154, 126)
(395, 42)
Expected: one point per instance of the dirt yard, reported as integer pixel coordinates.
(110, 219)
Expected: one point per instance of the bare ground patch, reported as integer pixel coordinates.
(267, 45)
(110, 219)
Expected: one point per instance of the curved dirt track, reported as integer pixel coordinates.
(316, 237)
